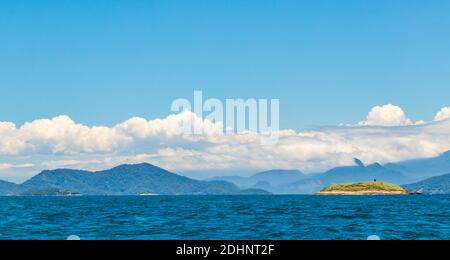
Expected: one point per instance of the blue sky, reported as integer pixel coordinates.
(330, 62)
(120, 64)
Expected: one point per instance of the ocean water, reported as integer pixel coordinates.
(226, 217)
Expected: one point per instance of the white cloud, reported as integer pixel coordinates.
(387, 115)
(9, 166)
(443, 114)
(386, 136)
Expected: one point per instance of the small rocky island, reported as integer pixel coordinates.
(364, 188)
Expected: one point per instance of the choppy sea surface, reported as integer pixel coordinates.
(226, 217)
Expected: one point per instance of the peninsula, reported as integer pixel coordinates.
(364, 188)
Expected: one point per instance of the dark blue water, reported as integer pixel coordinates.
(226, 217)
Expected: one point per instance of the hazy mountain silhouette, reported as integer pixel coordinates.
(8, 188)
(146, 178)
(123, 180)
(433, 185)
(348, 174)
(273, 181)
(398, 173)
(424, 168)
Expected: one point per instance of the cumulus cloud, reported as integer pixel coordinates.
(387, 135)
(387, 115)
(57, 135)
(443, 114)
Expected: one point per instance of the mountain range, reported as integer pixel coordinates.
(424, 174)
(434, 185)
(295, 182)
(122, 180)
(358, 173)
(424, 168)
(273, 181)
(8, 189)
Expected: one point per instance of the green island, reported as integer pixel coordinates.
(364, 188)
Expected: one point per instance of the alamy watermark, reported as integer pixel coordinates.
(236, 116)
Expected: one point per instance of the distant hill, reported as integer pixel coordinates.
(122, 180)
(433, 185)
(146, 178)
(399, 173)
(350, 174)
(424, 168)
(273, 181)
(8, 188)
(295, 182)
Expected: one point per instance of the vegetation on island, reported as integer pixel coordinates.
(373, 187)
